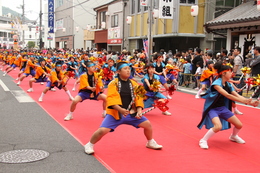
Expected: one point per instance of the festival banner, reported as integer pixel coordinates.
(51, 16)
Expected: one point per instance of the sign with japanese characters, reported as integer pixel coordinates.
(166, 9)
(51, 16)
(144, 2)
(59, 24)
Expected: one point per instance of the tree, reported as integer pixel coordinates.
(31, 44)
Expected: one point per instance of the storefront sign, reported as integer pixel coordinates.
(114, 41)
(166, 9)
(51, 16)
(89, 35)
(59, 24)
(114, 36)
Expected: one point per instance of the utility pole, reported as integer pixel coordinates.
(150, 24)
(23, 22)
(40, 28)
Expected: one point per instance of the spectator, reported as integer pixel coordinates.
(196, 59)
(238, 64)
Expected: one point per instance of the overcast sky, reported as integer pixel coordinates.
(32, 7)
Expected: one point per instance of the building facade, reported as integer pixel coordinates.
(241, 25)
(179, 33)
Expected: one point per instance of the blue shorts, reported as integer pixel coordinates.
(221, 112)
(206, 82)
(171, 77)
(198, 77)
(32, 73)
(111, 123)
(14, 66)
(41, 80)
(52, 85)
(162, 79)
(86, 95)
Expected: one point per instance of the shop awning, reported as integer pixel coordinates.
(242, 16)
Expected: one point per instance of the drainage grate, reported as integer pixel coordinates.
(23, 156)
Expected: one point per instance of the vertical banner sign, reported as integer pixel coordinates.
(166, 9)
(144, 2)
(51, 16)
(145, 44)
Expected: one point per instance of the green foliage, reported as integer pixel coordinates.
(31, 44)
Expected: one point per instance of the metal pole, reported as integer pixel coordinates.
(23, 23)
(150, 23)
(40, 28)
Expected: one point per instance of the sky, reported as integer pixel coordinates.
(32, 7)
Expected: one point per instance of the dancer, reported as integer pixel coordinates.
(109, 72)
(160, 70)
(42, 73)
(206, 78)
(153, 93)
(90, 88)
(57, 79)
(119, 99)
(217, 114)
(29, 69)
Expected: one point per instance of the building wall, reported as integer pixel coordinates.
(66, 14)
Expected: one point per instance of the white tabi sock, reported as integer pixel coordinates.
(209, 134)
(235, 131)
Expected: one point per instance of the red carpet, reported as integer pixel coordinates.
(124, 150)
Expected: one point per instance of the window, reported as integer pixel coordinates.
(30, 29)
(30, 36)
(114, 20)
(138, 6)
(58, 3)
(228, 3)
(145, 8)
(133, 7)
(187, 1)
(103, 16)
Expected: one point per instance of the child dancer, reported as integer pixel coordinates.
(217, 113)
(42, 73)
(148, 80)
(109, 72)
(90, 88)
(206, 78)
(56, 80)
(29, 69)
(119, 99)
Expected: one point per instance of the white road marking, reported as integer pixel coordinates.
(4, 86)
(21, 96)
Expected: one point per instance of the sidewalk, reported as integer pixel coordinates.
(25, 125)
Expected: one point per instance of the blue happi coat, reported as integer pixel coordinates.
(211, 97)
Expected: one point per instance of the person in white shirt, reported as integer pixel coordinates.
(198, 75)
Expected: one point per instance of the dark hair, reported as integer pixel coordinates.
(220, 67)
(198, 50)
(198, 63)
(149, 66)
(156, 56)
(58, 63)
(238, 49)
(88, 63)
(224, 51)
(257, 48)
(119, 64)
(210, 54)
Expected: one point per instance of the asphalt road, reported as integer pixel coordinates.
(27, 126)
